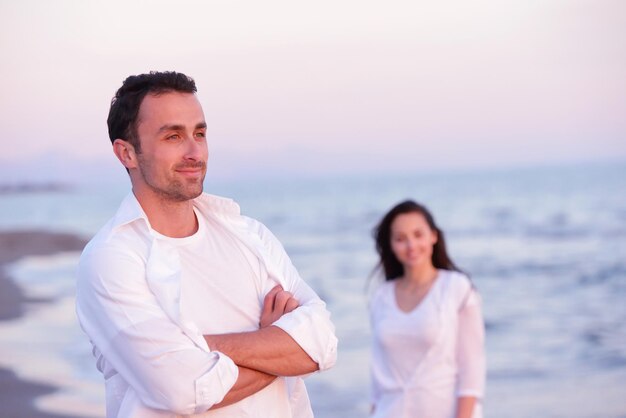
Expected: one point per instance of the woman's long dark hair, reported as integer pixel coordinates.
(392, 268)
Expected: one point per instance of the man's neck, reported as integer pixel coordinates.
(172, 219)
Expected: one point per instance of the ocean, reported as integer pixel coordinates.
(546, 248)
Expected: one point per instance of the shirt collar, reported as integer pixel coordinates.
(130, 210)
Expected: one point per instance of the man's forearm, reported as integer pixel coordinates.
(248, 383)
(269, 350)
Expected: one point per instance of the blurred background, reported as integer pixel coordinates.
(506, 118)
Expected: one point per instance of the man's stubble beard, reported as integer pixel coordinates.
(174, 190)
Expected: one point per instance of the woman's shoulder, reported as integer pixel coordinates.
(380, 290)
(455, 278)
(383, 286)
(458, 285)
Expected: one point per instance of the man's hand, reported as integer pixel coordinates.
(269, 349)
(277, 302)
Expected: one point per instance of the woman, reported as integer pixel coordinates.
(428, 332)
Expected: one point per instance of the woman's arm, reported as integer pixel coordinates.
(465, 406)
(470, 356)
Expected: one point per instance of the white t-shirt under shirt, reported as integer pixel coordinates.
(234, 291)
(424, 359)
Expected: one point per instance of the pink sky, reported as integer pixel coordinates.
(328, 86)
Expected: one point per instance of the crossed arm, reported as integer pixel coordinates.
(263, 355)
(164, 363)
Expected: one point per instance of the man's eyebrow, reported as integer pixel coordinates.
(171, 128)
(174, 127)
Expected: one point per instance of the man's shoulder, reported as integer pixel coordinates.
(115, 258)
(130, 240)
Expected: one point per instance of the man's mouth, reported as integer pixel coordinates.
(191, 171)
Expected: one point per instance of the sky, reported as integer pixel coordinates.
(295, 88)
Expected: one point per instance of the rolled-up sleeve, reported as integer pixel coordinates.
(309, 325)
(136, 338)
(471, 348)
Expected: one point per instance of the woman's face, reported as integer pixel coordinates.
(412, 240)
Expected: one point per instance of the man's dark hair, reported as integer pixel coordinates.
(122, 120)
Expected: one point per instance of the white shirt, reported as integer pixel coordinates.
(135, 304)
(423, 360)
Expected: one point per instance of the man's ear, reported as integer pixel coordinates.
(125, 152)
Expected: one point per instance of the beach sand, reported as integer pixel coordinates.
(16, 395)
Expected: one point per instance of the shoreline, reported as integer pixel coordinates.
(17, 396)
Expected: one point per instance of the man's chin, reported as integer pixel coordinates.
(191, 192)
(199, 192)
(188, 193)
(195, 189)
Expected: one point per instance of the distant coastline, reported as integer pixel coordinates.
(17, 188)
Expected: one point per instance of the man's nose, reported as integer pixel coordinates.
(195, 149)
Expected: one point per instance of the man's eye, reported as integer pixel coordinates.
(200, 134)
(173, 137)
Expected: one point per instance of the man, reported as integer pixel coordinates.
(192, 308)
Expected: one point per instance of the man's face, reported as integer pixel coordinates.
(172, 134)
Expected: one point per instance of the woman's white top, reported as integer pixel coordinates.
(423, 360)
